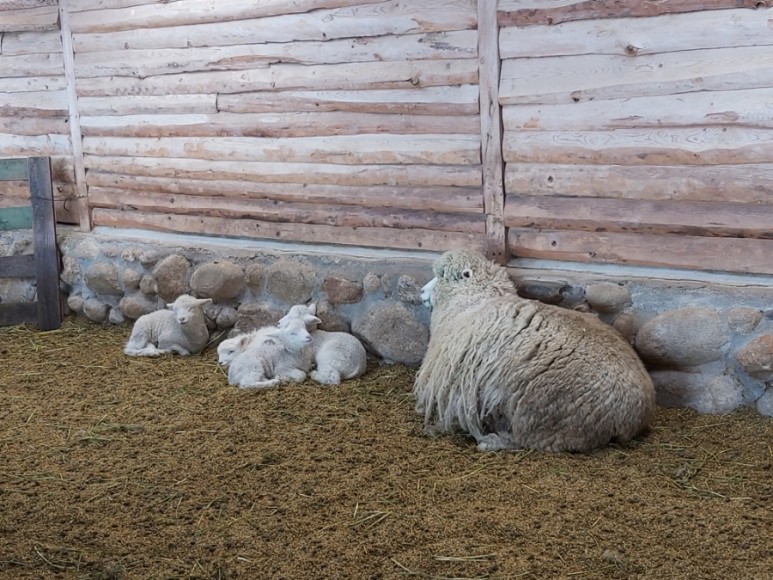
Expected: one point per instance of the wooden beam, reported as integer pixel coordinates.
(13, 170)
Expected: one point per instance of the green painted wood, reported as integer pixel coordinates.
(13, 170)
(16, 218)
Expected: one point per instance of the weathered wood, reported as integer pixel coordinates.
(33, 84)
(299, 173)
(751, 183)
(29, 19)
(317, 234)
(26, 65)
(20, 125)
(748, 108)
(451, 149)
(519, 13)
(22, 266)
(640, 36)
(15, 218)
(13, 193)
(13, 170)
(21, 313)
(645, 217)
(667, 250)
(274, 125)
(441, 199)
(17, 43)
(51, 103)
(27, 145)
(569, 79)
(155, 104)
(25, 4)
(279, 211)
(149, 62)
(361, 75)
(672, 146)
(446, 100)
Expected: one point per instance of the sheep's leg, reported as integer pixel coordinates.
(182, 351)
(495, 442)
(261, 384)
(147, 350)
(326, 376)
(293, 376)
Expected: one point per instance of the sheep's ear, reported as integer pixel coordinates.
(309, 318)
(203, 301)
(312, 308)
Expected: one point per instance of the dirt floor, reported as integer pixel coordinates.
(116, 467)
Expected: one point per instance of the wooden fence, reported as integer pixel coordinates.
(604, 131)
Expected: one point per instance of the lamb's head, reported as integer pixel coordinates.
(230, 348)
(305, 312)
(465, 277)
(186, 307)
(294, 335)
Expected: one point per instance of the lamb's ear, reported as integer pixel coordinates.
(203, 301)
(312, 308)
(309, 319)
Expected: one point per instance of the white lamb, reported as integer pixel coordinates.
(230, 348)
(338, 355)
(268, 358)
(517, 373)
(182, 328)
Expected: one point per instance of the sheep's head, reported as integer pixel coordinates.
(305, 312)
(185, 307)
(230, 348)
(294, 334)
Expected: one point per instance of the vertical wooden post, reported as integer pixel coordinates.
(44, 235)
(491, 130)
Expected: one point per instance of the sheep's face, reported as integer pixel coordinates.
(230, 348)
(427, 293)
(186, 307)
(295, 335)
(466, 277)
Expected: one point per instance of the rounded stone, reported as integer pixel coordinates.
(95, 310)
(218, 280)
(102, 278)
(148, 285)
(87, 249)
(131, 279)
(624, 324)
(743, 320)
(765, 403)
(71, 270)
(756, 358)
(607, 297)
(291, 281)
(683, 338)
(253, 315)
(115, 316)
(135, 305)
(408, 290)
(75, 303)
(705, 392)
(390, 331)
(226, 318)
(254, 277)
(371, 283)
(171, 277)
(342, 291)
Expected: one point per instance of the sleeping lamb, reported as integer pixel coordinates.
(517, 373)
(181, 329)
(338, 355)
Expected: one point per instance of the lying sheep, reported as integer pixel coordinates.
(181, 329)
(270, 357)
(517, 373)
(230, 348)
(338, 355)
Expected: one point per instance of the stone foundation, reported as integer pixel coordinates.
(708, 344)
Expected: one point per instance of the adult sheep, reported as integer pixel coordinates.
(181, 328)
(517, 373)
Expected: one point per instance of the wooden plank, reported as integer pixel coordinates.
(51, 103)
(451, 149)
(274, 125)
(750, 183)
(528, 13)
(26, 145)
(299, 173)
(27, 65)
(667, 250)
(13, 170)
(33, 84)
(22, 266)
(316, 234)
(25, 4)
(17, 43)
(149, 62)
(14, 193)
(640, 36)
(21, 125)
(15, 218)
(450, 100)
(351, 76)
(28, 19)
(46, 251)
(671, 146)
(441, 199)
(21, 313)
(153, 104)
(646, 217)
(570, 79)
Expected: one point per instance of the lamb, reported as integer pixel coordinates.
(230, 348)
(517, 373)
(181, 329)
(272, 356)
(338, 355)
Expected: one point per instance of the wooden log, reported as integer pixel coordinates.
(156, 104)
(520, 13)
(700, 218)
(673, 251)
(32, 145)
(29, 19)
(25, 4)
(750, 183)
(441, 199)
(26, 65)
(143, 63)
(274, 125)
(672, 146)
(640, 36)
(748, 108)
(299, 173)
(33, 125)
(365, 75)
(570, 79)
(279, 211)
(378, 237)
(33, 84)
(18, 43)
(246, 21)
(446, 100)
(35, 103)
(346, 149)
(14, 193)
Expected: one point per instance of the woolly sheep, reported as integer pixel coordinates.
(269, 358)
(230, 348)
(181, 328)
(517, 373)
(338, 355)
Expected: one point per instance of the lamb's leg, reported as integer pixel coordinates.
(293, 376)
(495, 442)
(326, 376)
(147, 350)
(260, 384)
(182, 351)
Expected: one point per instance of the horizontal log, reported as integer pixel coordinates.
(364, 75)
(670, 146)
(21, 125)
(26, 65)
(280, 211)
(639, 36)
(274, 125)
(570, 79)
(51, 103)
(34, 145)
(18, 43)
(299, 173)
(14, 193)
(749, 108)
(667, 250)
(143, 63)
(24, 4)
(378, 237)
(645, 217)
(19, 313)
(440, 199)
(447, 100)
(751, 183)
(33, 84)
(520, 13)
(451, 149)
(154, 104)
(28, 19)
(21, 266)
